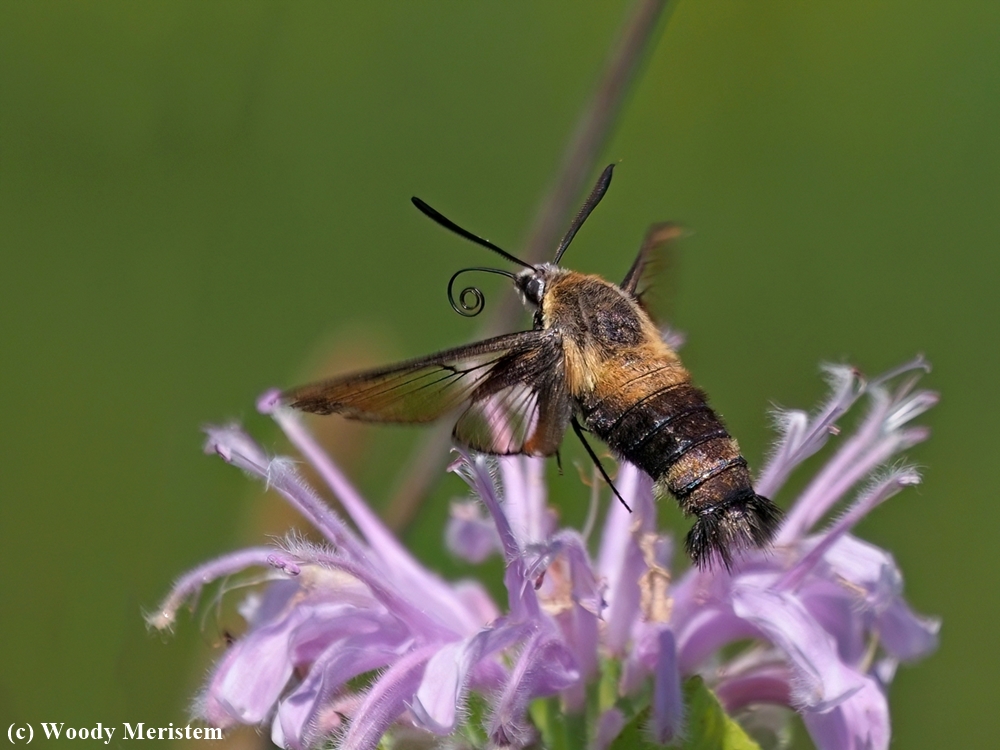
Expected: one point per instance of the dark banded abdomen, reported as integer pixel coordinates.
(673, 435)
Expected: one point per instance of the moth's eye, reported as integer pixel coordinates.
(533, 290)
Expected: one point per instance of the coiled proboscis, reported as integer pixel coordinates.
(461, 304)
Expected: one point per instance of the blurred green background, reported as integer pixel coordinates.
(199, 200)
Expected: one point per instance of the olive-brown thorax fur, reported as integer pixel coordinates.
(631, 390)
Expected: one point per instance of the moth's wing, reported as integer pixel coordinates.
(418, 390)
(644, 279)
(500, 379)
(522, 406)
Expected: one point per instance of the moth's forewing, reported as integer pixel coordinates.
(510, 385)
(645, 279)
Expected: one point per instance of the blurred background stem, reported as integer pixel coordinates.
(594, 128)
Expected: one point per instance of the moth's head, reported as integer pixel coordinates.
(532, 281)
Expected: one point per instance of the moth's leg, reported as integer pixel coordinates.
(593, 457)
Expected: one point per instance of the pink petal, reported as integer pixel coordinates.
(386, 700)
(470, 535)
(668, 703)
(296, 724)
(545, 667)
(439, 700)
(821, 679)
(861, 722)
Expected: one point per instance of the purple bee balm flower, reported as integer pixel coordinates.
(355, 638)
(823, 609)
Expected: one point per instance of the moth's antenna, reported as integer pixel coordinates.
(449, 224)
(589, 205)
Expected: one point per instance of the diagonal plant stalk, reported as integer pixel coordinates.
(592, 132)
